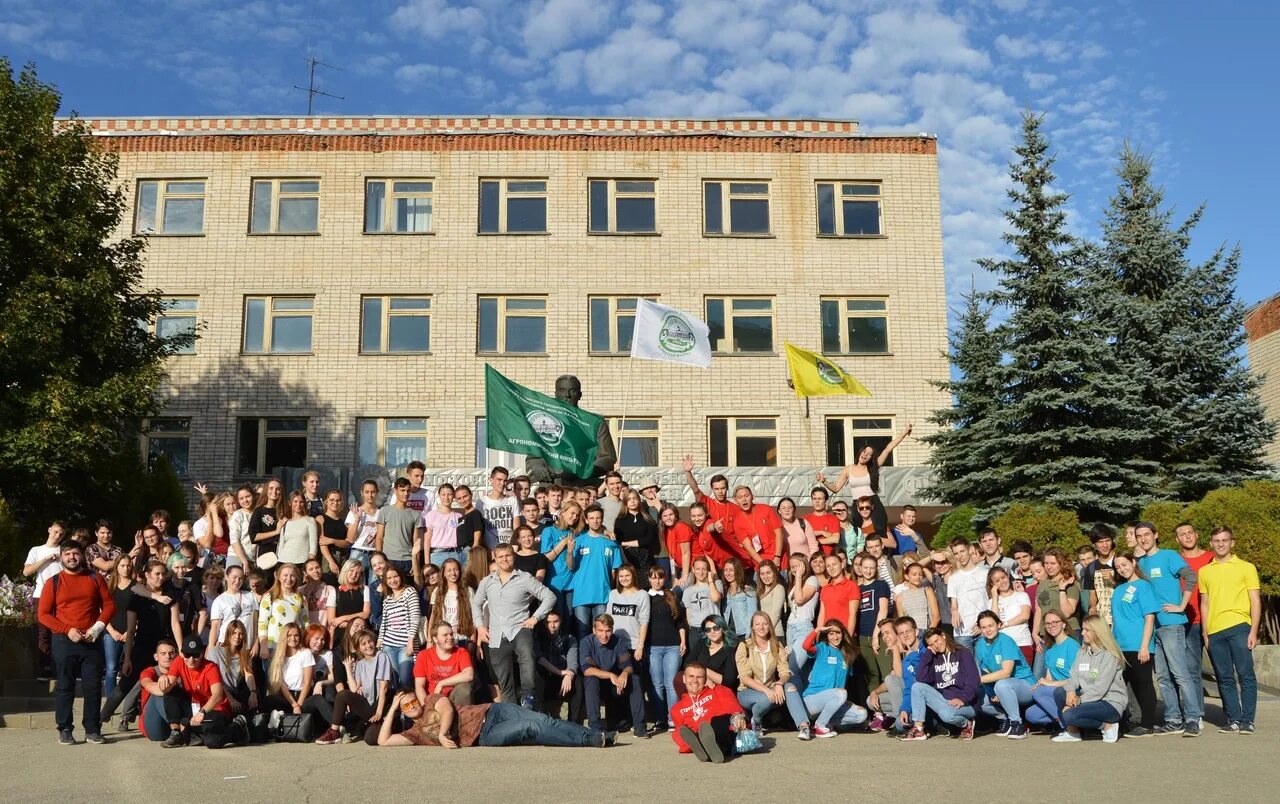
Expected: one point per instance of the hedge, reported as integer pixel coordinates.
(958, 522)
(1042, 525)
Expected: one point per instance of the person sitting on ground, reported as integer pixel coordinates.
(825, 695)
(188, 699)
(1095, 696)
(438, 722)
(764, 677)
(365, 701)
(1059, 658)
(442, 668)
(946, 687)
(1006, 677)
(715, 652)
(232, 658)
(289, 675)
(558, 671)
(608, 673)
(706, 718)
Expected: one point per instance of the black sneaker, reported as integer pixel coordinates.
(94, 739)
(1230, 728)
(177, 739)
(1169, 730)
(610, 739)
(1003, 729)
(1138, 731)
(1191, 729)
(1246, 728)
(65, 737)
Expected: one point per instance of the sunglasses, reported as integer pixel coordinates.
(864, 508)
(1048, 623)
(839, 511)
(712, 629)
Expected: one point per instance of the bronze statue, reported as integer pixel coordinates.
(569, 389)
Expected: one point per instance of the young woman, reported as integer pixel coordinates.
(873, 608)
(825, 695)
(232, 658)
(243, 551)
(940, 562)
(818, 567)
(557, 543)
(946, 687)
(334, 542)
(211, 581)
(917, 599)
(1005, 675)
(702, 594)
(184, 591)
(1094, 696)
(282, 606)
(629, 606)
(771, 594)
(1058, 590)
(528, 557)
(362, 528)
(268, 518)
(300, 536)
(451, 603)
(398, 629)
(593, 560)
(152, 615)
(328, 674)
(715, 651)
(764, 679)
(346, 602)
(316, 592)
(677, 537)
(802, 600)
(210, 530)
(1060, 657)
(863, 477)
(740, 600)
(1014, 608)
(234, 604)
(289, 675)
(667, 642)
(478, 567)
(1133, 610)
(798, 534)
(704, 544)
(120, 582)
(637, 531)
(364, 703)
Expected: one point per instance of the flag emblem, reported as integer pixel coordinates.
(675, 336)
(548, 427)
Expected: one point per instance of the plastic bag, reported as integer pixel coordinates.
(747, 741)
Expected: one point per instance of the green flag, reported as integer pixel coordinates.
(519, 419)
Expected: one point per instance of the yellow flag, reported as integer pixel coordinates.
(814, 375)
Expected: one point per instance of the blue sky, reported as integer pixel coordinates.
(1193, 83)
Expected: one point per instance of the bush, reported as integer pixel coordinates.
(166, 491)
(1253, 514)
(958, 522)
(1165, 516)
(1041, 525)
(13, 548)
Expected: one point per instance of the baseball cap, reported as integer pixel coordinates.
(193, 646)
(646, 482)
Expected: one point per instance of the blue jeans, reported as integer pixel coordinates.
(759, 705)
(1195, 658)
(441, 555)
(401, 664)
(664, 663)
(365, 557)
(405, 566)
(1233, 662)
(1046, 706)
(824, 705)
(797, 633)
(964, 640)
(1181, 704)
(586, 614)
(1037, 666)
(511, 724)
(1014, 693)
(1091, 715)
(926, 699)
(597, 691)
(114, 651)
(154, 719)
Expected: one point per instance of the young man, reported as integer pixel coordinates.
(420, 498)
(76, 606)
(500, 608)
(313, 502)
(440, 530)
(102, 554)
(884, 564)
(826, 528)
(1085, 555)
(967, 591)
(555, 498)
(196, 703)
(840, 599)
(471, 525)
(498, 508)
(42, 562)
(721, 512)
(437, 721)
(757, 529)
(1022, 552)
(1173, 581)
(531, 515)
(608, 674)
(905, 538)
(706, 718)
(1099, 577)
(442, 668)
(558, 680)
(160, 521)
(989, 544)
(399, 526)
(1197, 559)
(906, 661)
(611, 502)
(1231, 609)
(521, 486)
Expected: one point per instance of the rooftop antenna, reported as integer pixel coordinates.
(310, 89)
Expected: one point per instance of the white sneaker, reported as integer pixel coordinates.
(1110, 732)
(1066, 737)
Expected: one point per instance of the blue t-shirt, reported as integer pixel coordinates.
(596, 557)
(910, 664)
(992, 655)
(1059, 659)
(869, 606)
(1131, 602)
(559, 577)
(906, 543)
(1162, 571)
(829, 671)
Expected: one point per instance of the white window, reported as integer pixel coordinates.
(395, 324)
(623, 206)
(639, 440)
(391, 442)
(849, 435)
(740, 324)
(285, 206)
(277, 324)
(742, 441)
(169, 436)
(735, 207)
(397, 206)
(177, 322)
(849, 209)
(513, 206)
(266, 444)
(512, 325)
(170, 207)
(613, 321)
(488, 458)
(857, 326)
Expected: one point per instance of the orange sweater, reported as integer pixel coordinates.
(75, 600)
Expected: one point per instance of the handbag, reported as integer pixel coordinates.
(295, 728)
(260, 727)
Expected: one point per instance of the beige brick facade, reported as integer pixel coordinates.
(1263, 327)
(335, 384)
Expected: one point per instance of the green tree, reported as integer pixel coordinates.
(76, 369)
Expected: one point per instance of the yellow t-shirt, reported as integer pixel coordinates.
(1227, 584)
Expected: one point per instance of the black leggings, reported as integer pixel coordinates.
(1140, 676)
(349, 707)
(273, 702)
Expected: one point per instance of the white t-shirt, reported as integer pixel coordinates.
(239, 526)
(367, 534)
(499, 518)
(39, 553)
(294, 667)
(422, 500)
(969, 589)
(230, 606)
(1010, 607)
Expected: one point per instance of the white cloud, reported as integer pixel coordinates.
(1038, 81)
(557, 23)
(410, 76)
(897, 40)
(636, 58)
(436, 19)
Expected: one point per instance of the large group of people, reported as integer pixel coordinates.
(561, 616)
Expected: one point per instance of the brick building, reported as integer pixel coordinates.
(1262, 327)
(350, 277)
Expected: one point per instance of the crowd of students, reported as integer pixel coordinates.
(559, 616)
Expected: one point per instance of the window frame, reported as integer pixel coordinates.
(273, 229)
(732, 435)
(154, 325)
(728, 323)
(384, 331)
(500, 336)
(845, 314)
(852, 433)
(264, 435)
(380, 437)
(504, 196)
(611, 203)
(614, 313)
(839, 199)
(147, 433)
(269, 315)
(618, 435)
(511, 460)
(726, 207)
(162, 198)
(389, 204)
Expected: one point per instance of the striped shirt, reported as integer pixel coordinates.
(400, 617)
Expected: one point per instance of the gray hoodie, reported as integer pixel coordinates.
(1100, 677)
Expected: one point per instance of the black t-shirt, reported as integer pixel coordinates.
(122, 598)
(189, 601)
(723, 662)
(467, 529)
(334, 529)
(664, 624)
(872, 594)
(531, 564)
(635, 528)
(263, 519)
(153, 624)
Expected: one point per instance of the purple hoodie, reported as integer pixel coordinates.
(954, 674)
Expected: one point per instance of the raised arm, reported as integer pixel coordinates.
(689, 479)
(888, 450)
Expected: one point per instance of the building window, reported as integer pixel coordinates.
(848, 435)
(513, 325)
(488, 458)
(855, 326)
(286, 206)
(513, 206)
(742, 442)
(177, 322)
(277, 324)
(735, 207)
(170, 437)
(857, 212)
(613, 320)
(391, 442)
(395, 324)
(740, 324)
(267, 444)
(623, 206)
(397, 206)
(170, 207)
(638, 440)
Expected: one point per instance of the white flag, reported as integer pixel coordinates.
(665, 333)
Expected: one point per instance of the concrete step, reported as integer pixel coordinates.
(30, 688)
(30, 720)
(22, 703)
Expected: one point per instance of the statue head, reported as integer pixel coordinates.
(568, 389)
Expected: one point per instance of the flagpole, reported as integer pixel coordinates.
(626, 403)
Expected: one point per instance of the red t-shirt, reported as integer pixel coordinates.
(835, 598)
(147, 675)
(704, 545)
(1197, 564)
(827, 523)
(757, 527)
(680, 534)
(726, 512)
(430, 666)
(199, 683)
(692, 711)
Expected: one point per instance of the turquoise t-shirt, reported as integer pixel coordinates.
(1162, 571)
(559, 577)
(596, 557)
(992, 655)
(1059, 659)
(1131, 602)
